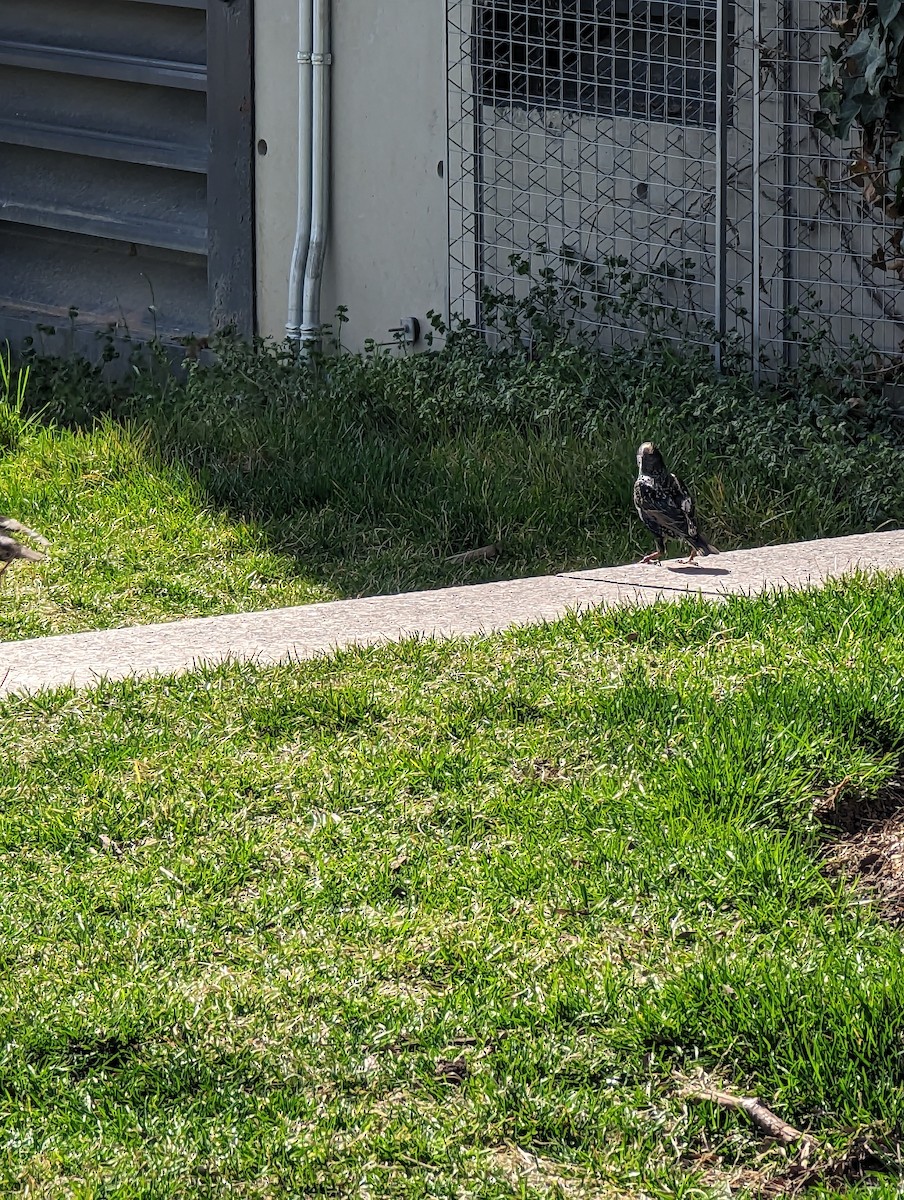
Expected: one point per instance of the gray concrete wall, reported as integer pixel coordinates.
(388, 251)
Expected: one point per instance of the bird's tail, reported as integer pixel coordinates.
(27, 552)
(13, 526)
(702, 546)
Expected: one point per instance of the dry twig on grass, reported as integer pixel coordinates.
(763, 1117)
(483, 553)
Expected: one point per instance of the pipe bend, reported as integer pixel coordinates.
(321, 62)
(301, 247)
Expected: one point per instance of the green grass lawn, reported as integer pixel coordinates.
(459, 919)
(133, 539)
(261, 482)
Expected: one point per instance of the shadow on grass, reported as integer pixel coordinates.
(364, 500)
(365, 477)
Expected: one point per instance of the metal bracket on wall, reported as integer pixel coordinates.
(230, 92)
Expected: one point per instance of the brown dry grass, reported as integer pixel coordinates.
(869, 848)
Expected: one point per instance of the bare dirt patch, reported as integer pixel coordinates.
(794, 1180)
(869, 847)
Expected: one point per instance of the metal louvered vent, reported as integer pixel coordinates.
(126, 166)
(633, 58)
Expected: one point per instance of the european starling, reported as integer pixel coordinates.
(10, 549)
(665, 506)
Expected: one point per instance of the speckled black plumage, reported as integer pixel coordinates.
(665, 505)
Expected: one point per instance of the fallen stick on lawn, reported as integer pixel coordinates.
(762, 1117)
(484, 552)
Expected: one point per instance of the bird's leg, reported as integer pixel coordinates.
(3, 567)
(689, 561)
(652, 557)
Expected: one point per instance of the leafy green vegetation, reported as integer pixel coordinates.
(461, 918)
(259, 481)
(861, 84)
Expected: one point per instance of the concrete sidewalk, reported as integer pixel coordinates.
(281, 634)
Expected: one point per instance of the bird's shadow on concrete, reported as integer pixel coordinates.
(698, 570)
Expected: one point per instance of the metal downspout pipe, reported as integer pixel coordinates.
(321, 62)
(303, 217)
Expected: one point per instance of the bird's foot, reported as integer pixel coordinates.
(653, 557)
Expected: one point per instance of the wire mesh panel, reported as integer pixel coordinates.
(829, 245)
(657, 159)
(583, 138)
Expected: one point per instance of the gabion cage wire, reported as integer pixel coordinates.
(659, 156)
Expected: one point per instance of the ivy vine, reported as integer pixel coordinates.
(862, 84)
